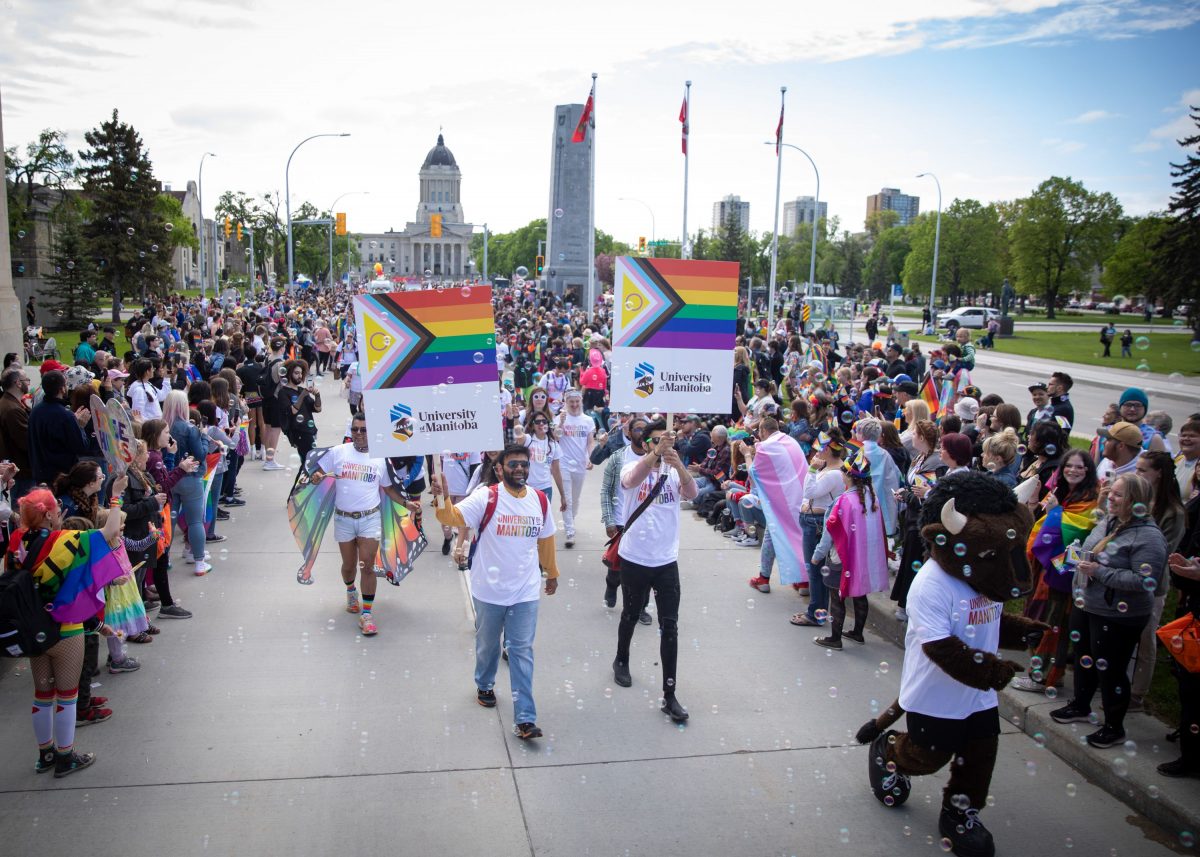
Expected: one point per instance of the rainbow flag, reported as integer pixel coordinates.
(674, 303)
(962, 380)
(1049, 539)
(778, 470)
(422, 339)
(946, 398)
(82, 564)
(929, 395)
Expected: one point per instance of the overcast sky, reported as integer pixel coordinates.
(992, 95)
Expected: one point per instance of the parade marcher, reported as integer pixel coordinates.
(576, 435)
(612, 505)
(515, 548)
(649, 550)
(358, 523)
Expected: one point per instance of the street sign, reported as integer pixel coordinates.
(897, 291)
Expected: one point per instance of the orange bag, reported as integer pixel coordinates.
(1182, 639)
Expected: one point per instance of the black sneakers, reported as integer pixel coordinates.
(66, 764)
(526, 731)
(890, 787)
(621, 673)
(610, 596)
(445, 547)
(486, 698)
(968, 837)
(45, 760)
(1106, 736)
(1070, 714)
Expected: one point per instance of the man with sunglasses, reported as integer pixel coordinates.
(357, 523)
(515, 547)
(649, 551)
(612, 507)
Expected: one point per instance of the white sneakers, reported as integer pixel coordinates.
(189, 559)
(202, 568)
(272, 464)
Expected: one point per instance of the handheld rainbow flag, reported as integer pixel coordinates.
(946, 398)
(428, 364)
(1049, 539)
(929, 395)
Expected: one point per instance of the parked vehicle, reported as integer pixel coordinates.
(974, 317)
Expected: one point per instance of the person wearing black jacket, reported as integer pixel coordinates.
(56, 438)
(1059, 387)
(1184, 566)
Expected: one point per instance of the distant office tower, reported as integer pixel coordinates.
(567, 244)
(731, 206)
(801, 210)
(891, 199)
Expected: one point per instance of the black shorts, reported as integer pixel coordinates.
(941, 733)
(271, 413)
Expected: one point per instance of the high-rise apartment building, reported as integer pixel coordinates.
(731, 206)
(891, 199)
(802, 209)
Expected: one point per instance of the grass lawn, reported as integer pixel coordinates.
(1162, 355)
(1036, 316)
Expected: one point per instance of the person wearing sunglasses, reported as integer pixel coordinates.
(357, 522)
(544, 455)
(515, 548)
(652, 487)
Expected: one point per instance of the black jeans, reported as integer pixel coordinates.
(91, 668)
(1109, 645)
(636, 583)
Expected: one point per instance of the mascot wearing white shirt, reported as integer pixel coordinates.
(976, 530)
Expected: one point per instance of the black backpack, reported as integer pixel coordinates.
(26, 627)
(267, 383)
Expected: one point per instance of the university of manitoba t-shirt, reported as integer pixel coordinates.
(359, 477)
(542, 454)
(653, 539)
(505, 568)
(941, 606)
(574, 432)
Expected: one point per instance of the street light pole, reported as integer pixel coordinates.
(287, 197)
(775, 230)
(937, 237)
(485, 251)
(812, 255)
(333, 217)
(653, 229)
(200, 193)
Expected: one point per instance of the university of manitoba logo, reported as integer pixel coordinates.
(402, 424)
(643, 380)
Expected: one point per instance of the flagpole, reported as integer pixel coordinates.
(775, 229)
(685, 250)
(592, 211)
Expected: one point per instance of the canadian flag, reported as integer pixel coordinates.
(683, 119)
(779, 130)
(586, 119)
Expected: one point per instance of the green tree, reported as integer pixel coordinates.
(73, 297)
(1134, 267)
(1062, 230)
(262, 217)
(885, 260)
(1179, 246)
(124, 231)
(970, 254)
(879, 222)
(47, 163)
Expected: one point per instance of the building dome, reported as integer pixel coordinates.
(439, 156)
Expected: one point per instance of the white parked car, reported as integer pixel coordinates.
(967, 316)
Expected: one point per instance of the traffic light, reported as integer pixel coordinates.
(341, 223)
(642, 244)
(228, 226)
(539, 263)
(239, 233)
(435, 226)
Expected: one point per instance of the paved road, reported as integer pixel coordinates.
(266, 725)
(1057, 326)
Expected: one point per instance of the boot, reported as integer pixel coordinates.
(672, 707)
(45, 760)
(621, 673)
(610, 596)
(890, 787)
(968, 837)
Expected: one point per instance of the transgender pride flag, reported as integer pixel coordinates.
(778, 470)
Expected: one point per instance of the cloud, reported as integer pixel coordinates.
(1146, 146)
(1178, 128)
(1063, 147)
(1090, 116)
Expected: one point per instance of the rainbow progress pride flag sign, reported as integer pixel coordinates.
(674, 326)
(428, 365)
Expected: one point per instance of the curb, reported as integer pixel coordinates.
(1173, 804)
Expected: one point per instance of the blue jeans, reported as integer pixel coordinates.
(818, 596)
(190, 505)
(704, 486)
(517, 623)
(766, 556)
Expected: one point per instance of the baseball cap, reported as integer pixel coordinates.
(117, 373)
(907, 387)
(52, 366)
(1038, 386)
(1123, 432)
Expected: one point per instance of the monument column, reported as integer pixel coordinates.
(10, 309)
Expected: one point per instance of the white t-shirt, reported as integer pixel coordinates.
(653, 539)
(501, 353)
(505, 568)
(542, 453)
(457, 469)
(359, 477)
(573, 437)
(941, 606)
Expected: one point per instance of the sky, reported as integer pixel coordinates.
(992, 96)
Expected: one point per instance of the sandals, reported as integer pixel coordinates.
(154, 630)
(803, 619)
(304, 578)
(143, 637)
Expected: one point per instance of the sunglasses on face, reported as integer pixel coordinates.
(654, 439)
(358, 430)
(540, 423)
(516, 465)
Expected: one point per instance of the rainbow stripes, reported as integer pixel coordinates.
(414, 339)
(673, 303)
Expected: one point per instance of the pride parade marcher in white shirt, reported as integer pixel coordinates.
(648, 550)
(576, 437)
(515, 548)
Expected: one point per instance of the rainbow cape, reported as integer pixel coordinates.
(81, 563)
(1050, 536)
(310, 509)
(778, 470)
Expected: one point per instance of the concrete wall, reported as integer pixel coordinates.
(568, 247)
(10, 311)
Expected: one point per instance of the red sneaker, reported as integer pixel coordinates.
(802, 588)
(762, 584)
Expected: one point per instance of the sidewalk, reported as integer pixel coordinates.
(1130, 778)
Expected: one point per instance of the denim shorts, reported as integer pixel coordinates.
(348, 529)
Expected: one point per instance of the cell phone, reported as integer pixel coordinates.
(311, 383)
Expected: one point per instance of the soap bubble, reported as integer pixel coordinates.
(521, 271)
(960, 549)
(833, 693)
(1051, 449)
(40, 636)
(477, 356)
(129, 231)
(940, 539)
(20, 233)
(883, 667)
(70, 265)
(466, 291)
(1176, 378)
(1072, 789)
(153, 248)
(1011, 534)
(1142, 343)
(711, 454)
(558, 212)
(169, 227)
(1085, 661)
(1140, 510)
(1143, 368)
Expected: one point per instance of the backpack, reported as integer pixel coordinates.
(26, 627)
(489, 511)
(268, 384)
